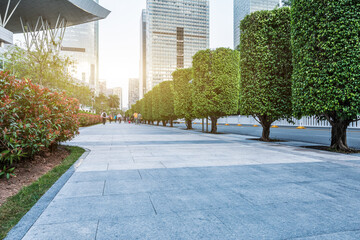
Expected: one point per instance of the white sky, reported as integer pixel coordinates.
(120, 38)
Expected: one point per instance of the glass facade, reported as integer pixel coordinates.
(142, 79)
(245, 7)
(133, 91)
(81, 44)
(176, 30)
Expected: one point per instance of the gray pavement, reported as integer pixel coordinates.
(148, 182)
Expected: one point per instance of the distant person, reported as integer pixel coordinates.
(136, 117)
(115, 118)
(119, 117)
(139, 118)
(104, 116)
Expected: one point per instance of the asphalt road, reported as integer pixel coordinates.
(310, 135)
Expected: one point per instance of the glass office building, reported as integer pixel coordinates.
(245, 7)
(176, 30)
(142, 78)
(133, 91)
(81, 44)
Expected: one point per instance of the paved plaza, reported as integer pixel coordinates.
(150, 182)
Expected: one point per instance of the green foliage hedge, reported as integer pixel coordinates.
(166, 101)
(266, 66)
(33, 118)
(326, 55)
(88, 119)
(183, 104)
(326, 44)
(216, 83)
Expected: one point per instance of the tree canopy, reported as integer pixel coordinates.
(326, 56)
(46, 67)
(166, 92)
(266, 67)
(216, 84)
(183, 103)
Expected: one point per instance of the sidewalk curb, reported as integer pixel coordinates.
(28, 220)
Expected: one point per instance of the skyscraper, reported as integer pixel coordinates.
(245, 7)
(81, 44)
(142, 78)
(133, 91)
(175, 31)
(118, 92)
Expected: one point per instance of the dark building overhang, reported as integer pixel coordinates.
(73, 11)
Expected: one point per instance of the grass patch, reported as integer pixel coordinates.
(17, 206)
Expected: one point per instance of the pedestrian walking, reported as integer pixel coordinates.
(115, 118)
(119, 117)
(139, 118)
(104, 116)
(136, 118)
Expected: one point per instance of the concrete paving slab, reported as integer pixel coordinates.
(149, 182)
(82, 189)
(82, 230)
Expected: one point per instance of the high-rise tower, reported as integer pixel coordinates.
(81, 44)
(175, 31)
(133, 91)
(245, 7)
(142, 78)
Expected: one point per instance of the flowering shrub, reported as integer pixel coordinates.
(33, 118)
(88, 119)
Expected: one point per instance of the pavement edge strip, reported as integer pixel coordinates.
(28, 220)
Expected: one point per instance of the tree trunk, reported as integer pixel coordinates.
(53, 147)
(158, 123)
(164, 123)
(213, 124)
(338, 136)
(188, 124)
(265, 122)
(338, 131)
(171, 123)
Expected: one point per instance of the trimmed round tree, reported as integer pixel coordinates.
(183, 104)
(266, 67)
(148, 107)
(156, 104)
(326, 56)
(167, 112)
(216, 84)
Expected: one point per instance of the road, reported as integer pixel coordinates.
(309, 135)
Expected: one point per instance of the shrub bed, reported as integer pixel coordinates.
(33, 119)
(88, 119)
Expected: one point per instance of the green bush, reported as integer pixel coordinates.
(88, 119)
(33, 119)
(183, 104)
(326, 56)
(216, 84)
(166, 103)
(266, 67)
(156, 104)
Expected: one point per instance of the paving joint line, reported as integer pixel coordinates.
(104, 188)
(97, 228)
(152, 204)
(163, 164)
(140, 174)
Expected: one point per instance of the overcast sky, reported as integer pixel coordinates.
(120, 38)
